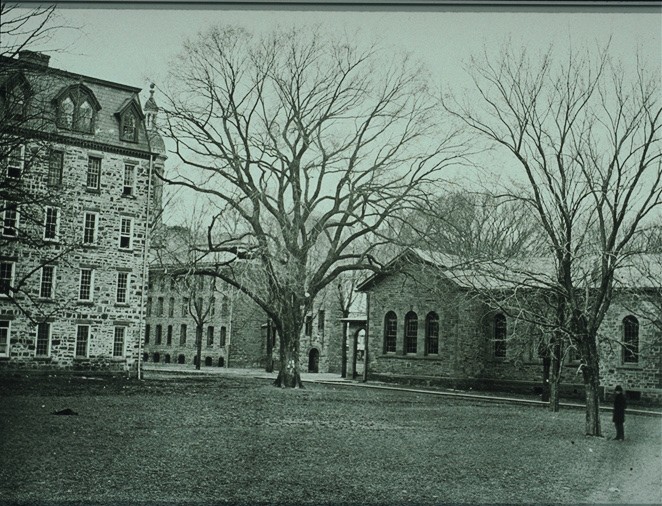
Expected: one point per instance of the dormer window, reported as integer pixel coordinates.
(129, 127)
(14, 97)
(130, 117)
(76, 108)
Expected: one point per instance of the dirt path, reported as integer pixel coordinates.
(631, 471)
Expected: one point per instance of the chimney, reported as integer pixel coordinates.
(34, 57)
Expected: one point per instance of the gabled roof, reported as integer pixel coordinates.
(641, 271)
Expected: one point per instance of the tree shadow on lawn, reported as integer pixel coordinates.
(243, 441)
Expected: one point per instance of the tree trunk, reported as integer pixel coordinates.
(546, 362)
(270, 347)
(288, 374)
(198, 342)
(343, 367)
(555, 378)
(591, 373)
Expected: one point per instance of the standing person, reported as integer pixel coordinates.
(619, 412)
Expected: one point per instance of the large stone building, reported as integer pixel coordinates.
(78, 190)
(428, 324)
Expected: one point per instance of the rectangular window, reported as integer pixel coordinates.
(185, 306)
(15, 162)
(159, 335)
(86, 284)
(171, 307)
(47, 281)
(224, 332)
(169, 336)
(210, 336)
(122, 287)
(6, 278)
(309, 326)
(55, 164)
(4, 338)
(118, 343)
(126, 233)
(182, 335)
(320, 320)
(51, 223)
(149, 307)
(90, 228)
(147, 332)
(129, 180)
(43, 340)
(10, 220)
(93, 173)
(82, 340)
(159, 306)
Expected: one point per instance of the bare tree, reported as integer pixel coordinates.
(585, 135)
(32, 186)
(301, 139)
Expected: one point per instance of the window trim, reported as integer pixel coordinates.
(627, 352)
(87, 341)
(411, 339)
(123, 344)
(3, 294)
(48, 343)
(123, 219)
(430, 318)
(125, 291)
(80, 285)
(130, 169)
(56, 237)
(95, 229)
(21, 162)
(390, 317)
(16, 219)
(51, 295)
(59, 155)
(6, 324)
(97, 187)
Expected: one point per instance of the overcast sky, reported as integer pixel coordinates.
(134, 46)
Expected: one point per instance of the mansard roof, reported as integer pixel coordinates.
(48, 84)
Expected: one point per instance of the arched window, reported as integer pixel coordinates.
(500, 336)
(129, 126)
(411, 332)
(630, 340)
(76, 108)
(432, 333)
(390, 332)
(66, 117)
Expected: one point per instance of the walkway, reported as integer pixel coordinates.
(158, 370)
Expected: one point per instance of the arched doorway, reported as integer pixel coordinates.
(314, 360)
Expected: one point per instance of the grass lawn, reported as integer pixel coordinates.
(240, 440)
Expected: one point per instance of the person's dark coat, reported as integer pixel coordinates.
(619, 408)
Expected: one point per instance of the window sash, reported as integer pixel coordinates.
(126, 233)
(630, 341)
(90, 228)
(432, 336)
(47, 282)
(118, 342)
(82, 340)
(391, 333)
(210, 336)
(10, 218)
(93, 173)
(158, 335)
(129, 179)
(182, 334)
(224, 333)
(500, 332)
(86, 284)
(51, 223)
(122, 286)
(6, 278)
(5, 332)
(15, 162)
(169, 336)
(55, 166)
(43, 348)
(411, 335)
